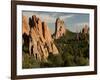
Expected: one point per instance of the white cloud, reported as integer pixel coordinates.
(66, 16)
(52, 18)
(82, 24)
(48, 18)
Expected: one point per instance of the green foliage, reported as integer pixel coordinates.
(72, 52)
(29, 61)
(81, 61)
(25, 49)
(68, 59)
(55, 60)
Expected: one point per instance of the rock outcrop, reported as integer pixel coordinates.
(25, 26)
(83, 34)
(85, 29)
(59, 28)
(25, 31)
(40, 39)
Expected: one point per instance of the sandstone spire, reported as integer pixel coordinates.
(59, 28)
(25, 26)
(46, 32)
(85, 29)
(40, 39)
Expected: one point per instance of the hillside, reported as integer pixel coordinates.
(73, 52)
(69, 34)
(63, 48)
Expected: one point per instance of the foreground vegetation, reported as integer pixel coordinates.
(73, 52)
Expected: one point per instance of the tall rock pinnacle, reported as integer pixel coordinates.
(59, 28)
(40, 39)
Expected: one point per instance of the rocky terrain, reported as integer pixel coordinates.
(38, 38)
(59, 28)
(85, 29)
(43, 49)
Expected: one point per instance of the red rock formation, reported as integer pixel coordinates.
(60, 28)
(40, 40)
(46, 32)
(85, 29)
(25, 26)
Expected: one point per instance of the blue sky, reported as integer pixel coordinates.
(73, 21)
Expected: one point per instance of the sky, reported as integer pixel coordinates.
(73, 21)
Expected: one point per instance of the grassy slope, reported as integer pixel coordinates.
(69, 34)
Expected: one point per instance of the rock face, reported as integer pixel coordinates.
(85, 29)
(25, 26)
(25, 31)
(46, 32)
(40, 40)
(83, 34)
(59, 28)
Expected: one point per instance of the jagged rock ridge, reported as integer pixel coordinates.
(40, 42)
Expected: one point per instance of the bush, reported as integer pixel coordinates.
(81, 61)
(74, 52)
(68, 59)
(29, 61)
(55, 60)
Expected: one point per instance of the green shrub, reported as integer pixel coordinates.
(55, 60)
(29, 61)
